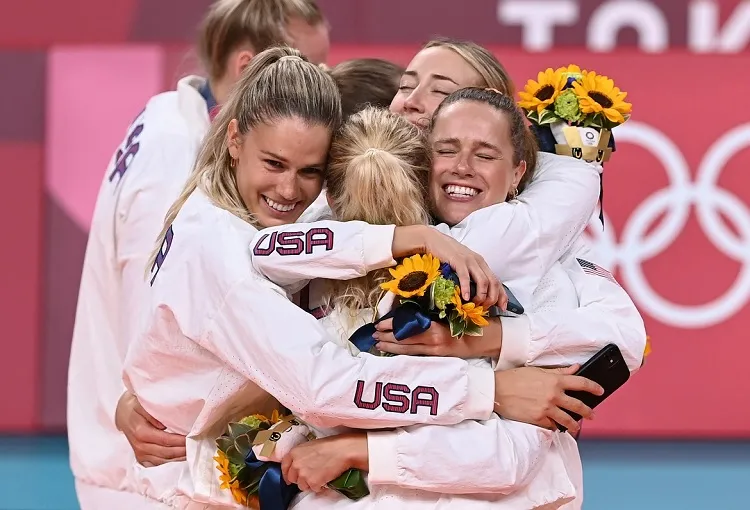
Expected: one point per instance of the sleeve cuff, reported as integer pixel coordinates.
(480, 401)
(382, 453)
(378, 246)
(516, 342)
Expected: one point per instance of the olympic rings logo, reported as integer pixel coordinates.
(676, 201)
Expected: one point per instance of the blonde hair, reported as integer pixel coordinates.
(259, 23)
(378, 172)
(489, 68)
(366, 82)
(279, 83)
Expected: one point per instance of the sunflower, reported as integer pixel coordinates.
(570, 73)
(538, 95)
(469, 311)
(413, 276)
(647, 350)
(598, 94)
(228, 481)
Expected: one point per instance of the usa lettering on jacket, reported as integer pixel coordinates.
(398, 398)
(294, 243)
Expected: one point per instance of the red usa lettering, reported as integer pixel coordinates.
(398, 398)
(294, 243)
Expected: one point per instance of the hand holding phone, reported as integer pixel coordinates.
(606, 368)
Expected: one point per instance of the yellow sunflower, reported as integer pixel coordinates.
(572, 71)
(598, 94)
(647, 350)
(413, 276)
(543, 92)
(469, 311)
(228, 482)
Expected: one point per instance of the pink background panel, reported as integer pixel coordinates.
(93, 94)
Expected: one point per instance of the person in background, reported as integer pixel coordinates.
(144, 176)
(366, 82)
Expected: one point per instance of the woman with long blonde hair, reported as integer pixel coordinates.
(146, 173)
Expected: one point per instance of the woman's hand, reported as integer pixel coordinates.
(314, 464)
(537, 396)
(469, 266)
(151, 444)
(437, 341)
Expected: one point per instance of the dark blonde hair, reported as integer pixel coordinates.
(524, 142)
(258, 23)
(484, 63)
(378, 172)
(366, 82)
(279, 83)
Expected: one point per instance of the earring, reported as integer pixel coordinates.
(513, 193)
(232, 162)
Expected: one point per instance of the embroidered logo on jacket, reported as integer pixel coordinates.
(398, 398)
(294, 243)
(593, 269)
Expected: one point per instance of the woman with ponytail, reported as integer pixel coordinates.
(145, 175)
(219, 342)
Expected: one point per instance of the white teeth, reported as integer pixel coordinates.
(277, 206)
(452, 189)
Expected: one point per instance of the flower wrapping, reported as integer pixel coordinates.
(573, 111)
(248, 456)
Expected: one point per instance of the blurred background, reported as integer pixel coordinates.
(677, 203)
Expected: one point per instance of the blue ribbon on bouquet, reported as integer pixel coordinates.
(273, 492)
(408, 320)
(412, 317)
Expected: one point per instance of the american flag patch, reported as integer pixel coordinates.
(591, 268)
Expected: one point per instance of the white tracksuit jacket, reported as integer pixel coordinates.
(145, 175)
(506, 457)
(217, 333)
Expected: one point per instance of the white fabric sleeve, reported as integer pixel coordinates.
(262, 335)
(495, 456)
(291, 255)
(605, 315)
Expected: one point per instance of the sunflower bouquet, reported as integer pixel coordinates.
(248, 456)
(422, 281)
(573, 111)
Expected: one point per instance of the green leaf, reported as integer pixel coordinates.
(234, 455)
(473, 330)
(243, 444)
(533, 116)
(237, 429)
(457, 327)
(223, 443)
(350, 484)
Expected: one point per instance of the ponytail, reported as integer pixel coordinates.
(378, 172)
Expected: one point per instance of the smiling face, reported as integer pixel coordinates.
(431, 76)
(279, 167)
(473, 163)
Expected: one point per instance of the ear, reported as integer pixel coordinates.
(234, 138)
(239, 61)
(518, 173)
